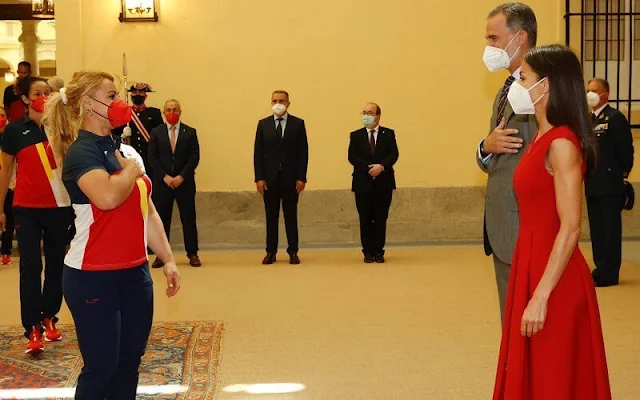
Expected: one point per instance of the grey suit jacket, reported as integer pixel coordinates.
(501, 217)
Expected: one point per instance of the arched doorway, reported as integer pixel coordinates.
(4, 68)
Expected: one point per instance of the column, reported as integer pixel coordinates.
(30, 41)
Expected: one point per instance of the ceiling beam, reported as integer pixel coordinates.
(16, 12)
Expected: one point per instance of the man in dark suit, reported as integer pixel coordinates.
(13, 105)
(605, 186)
(280, 159)
(144, 120)
(174, 154)
(373, 151)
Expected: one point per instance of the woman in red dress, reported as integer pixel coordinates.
(552, 346)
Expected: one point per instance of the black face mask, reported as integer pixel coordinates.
(138, 99)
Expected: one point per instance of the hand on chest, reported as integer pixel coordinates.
(111, 162)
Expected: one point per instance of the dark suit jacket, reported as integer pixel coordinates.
(185, 159)
(272, 153)
(360, 157)
(615, 154)
(13, 105)
(9, 97)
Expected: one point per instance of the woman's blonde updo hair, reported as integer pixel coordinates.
(64, 112)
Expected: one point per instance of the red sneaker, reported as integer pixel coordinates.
(6, 259)
(51, 333)
(35, 347)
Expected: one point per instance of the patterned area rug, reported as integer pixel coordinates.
(184, 355)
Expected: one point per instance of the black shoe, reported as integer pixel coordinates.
(380, 259)
(269, 259)
(605, 282)
(369, 259)
(157, 263)
(194, 261)
(294, 259)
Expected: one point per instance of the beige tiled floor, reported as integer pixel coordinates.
(423, 326)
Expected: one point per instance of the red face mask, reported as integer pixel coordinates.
(172, 118)
(118, 113)
(3, 122)
(38, 104)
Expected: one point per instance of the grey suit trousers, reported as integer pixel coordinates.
(501, 207)
(502, 278)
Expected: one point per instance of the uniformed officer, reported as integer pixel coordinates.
(143, 120)
(605, 186)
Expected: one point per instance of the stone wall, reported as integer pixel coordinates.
(329, 218)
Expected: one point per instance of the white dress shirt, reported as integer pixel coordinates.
(599, 110)
(375, 130)
(177, 131)
(485, 160)
(283, 123)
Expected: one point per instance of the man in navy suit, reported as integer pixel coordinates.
(373, 151)
(280, 159)
(605, 186)
(174, 154)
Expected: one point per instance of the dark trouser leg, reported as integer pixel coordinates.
(145, 161)
(7, 235)
(94, 301)
(611, 218)
(56, 223)
(364, 204)
(502, 279)
(186, 199)
(136, 299)
(162, 197)
(381, 204)
(272, 199)
(29, 231)
(594, 209)
(290, 210)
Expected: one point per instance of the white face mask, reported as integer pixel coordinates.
(368, 120)
(496, 58)
(520, 99)
(279, 109)
(593, 99)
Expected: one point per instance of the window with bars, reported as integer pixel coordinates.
(636, 31)
(610, 30)
(609, 42)
(604, 35)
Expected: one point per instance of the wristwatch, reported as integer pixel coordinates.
(482, 152)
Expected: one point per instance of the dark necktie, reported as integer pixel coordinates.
(503, 98)
(372, 141)
(594, 118)
(279, 127)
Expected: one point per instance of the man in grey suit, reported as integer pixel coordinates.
(511, 32)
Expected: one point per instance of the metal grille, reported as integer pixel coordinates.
(607, 35)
